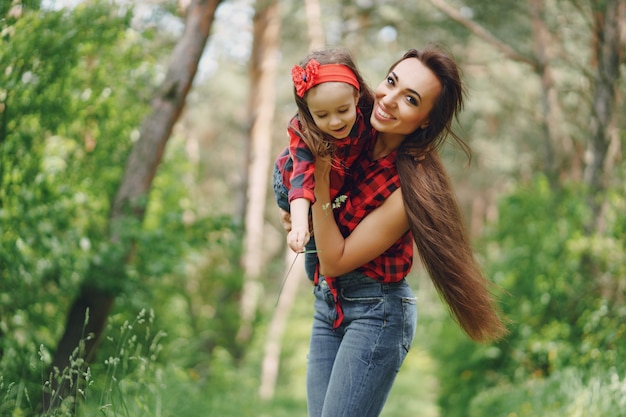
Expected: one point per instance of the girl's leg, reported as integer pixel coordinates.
(280, 189)
(310, 258)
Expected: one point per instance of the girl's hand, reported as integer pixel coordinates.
(297, 238)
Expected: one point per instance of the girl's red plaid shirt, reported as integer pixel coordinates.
(297, 164)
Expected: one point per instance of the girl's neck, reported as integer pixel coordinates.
(385, 144)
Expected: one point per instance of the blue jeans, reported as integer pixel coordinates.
(281, 191)
(351, 369)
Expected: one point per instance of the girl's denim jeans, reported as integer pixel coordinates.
(351, 369)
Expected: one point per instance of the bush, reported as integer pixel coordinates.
(570, 392)
(564, 297)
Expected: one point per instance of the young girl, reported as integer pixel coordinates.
(334, 106)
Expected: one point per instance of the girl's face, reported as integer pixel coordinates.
(404, 99)
(333, 107)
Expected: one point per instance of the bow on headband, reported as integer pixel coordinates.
(304, 78)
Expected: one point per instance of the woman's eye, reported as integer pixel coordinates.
(390, 80)
(412, 100)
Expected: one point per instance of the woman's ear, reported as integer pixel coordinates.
(425, 124)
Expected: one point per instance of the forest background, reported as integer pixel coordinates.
(143, 269)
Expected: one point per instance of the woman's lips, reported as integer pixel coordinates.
(382, 114)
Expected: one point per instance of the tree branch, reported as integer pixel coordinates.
(484, 34)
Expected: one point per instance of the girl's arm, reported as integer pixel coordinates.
(373, 235)
(299, 234)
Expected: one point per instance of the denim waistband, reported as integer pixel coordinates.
(357, 278)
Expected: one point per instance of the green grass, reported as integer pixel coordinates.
(138, 380)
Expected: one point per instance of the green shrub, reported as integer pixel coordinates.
(564, 296)
(569, 392)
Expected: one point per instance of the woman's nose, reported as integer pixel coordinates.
(389, 100)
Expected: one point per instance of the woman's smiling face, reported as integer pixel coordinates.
(404, 99)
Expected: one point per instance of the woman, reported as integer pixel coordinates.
(398, 191)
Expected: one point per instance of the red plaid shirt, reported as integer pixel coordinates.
(297, 163)
(366, 189)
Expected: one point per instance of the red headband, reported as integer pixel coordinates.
(313, 74)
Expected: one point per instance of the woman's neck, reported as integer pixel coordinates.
(386, 143)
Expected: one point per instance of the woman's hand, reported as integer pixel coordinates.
(285, 220)
(322, 169)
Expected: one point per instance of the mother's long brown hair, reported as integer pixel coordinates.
(434, 215)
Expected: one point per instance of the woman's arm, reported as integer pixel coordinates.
(373, 235)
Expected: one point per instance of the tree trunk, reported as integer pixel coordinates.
(88, 315)
(607, 21)
(262, 103)
(607, 50)
(294, 267)
(314, 24)
(294, 275)
(551, 121)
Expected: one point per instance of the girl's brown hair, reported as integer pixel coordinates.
(434, 215)
(317, 141)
